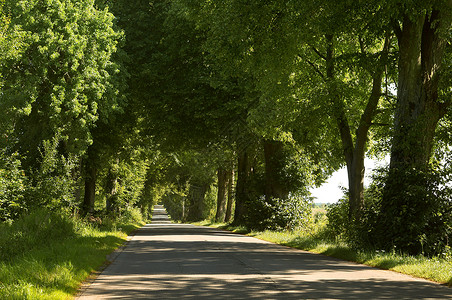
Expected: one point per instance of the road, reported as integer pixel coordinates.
(180, 261)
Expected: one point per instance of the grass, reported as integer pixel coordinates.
(435, 269)
(54, 254)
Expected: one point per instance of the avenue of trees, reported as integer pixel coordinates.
(231, 110)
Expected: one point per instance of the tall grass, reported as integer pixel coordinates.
(46, 255)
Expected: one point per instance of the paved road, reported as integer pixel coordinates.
(179, 261)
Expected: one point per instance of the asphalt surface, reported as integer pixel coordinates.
(180, 261)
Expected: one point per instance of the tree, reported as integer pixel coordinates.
(62, 75)
(422, 34)
(354, 144)
(190, 176)
(226, 54)
(185, 106)
(412, 208)
(300, 60)
(230, 191)
(11, 49)
(222, 190)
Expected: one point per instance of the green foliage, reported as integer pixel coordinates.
(62, 75)
(353, 232)
(129, 215)
(55, 181)
(216, 74)
(35, 230)
(188, 179)
(51, 186)
(287, 175)
(292, 213)
(169, 80)
(415, 219)
(13, 187)
(11, 41)
(190, 202)
(131, 182)
(60, 80)
(414, 211)
(210, 203)
(47, 255)
(175, 204)
(338, 221)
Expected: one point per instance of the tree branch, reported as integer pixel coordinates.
(314, 67)
(361, 45)
(380, 124)
(397, 29)
(318, 52)
(372, 104)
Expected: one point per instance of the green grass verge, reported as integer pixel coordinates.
(434, 269)
(54, 267)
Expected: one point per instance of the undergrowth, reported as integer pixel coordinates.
(47, 255)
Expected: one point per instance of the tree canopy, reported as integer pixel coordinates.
(208, 106)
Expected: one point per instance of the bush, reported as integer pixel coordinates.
(413, 211)
(131, 215)
(410, 211)
(54, 182)
(13, 186)
(34, 230)
(279, 214)
(51, 186)
(338, 222)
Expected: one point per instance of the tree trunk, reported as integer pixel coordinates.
(75, 173)
(355, 176)
(90, 188)
(407, 203)
(228, 215)
(222, 175)
(355, 168)
(112, 181)
(354, 152)
(242, 197)
(274, 163)
(197, 195)
(418, 111)
(183, 209)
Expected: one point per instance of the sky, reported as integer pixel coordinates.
(330, 191)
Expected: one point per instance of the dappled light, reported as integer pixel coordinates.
(118, 113)
(180, 260)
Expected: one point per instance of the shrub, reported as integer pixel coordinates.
(131, 215)
(279, 214)
(410, 211)
(54, 182)
(13, 186)
(34, 230)
(413, 211)
(337, 214)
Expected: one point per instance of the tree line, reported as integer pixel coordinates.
(230, 110)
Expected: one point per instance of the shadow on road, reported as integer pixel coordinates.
(174, 261)
(181, 287)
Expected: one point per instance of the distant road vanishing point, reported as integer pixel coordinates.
(180, 261)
